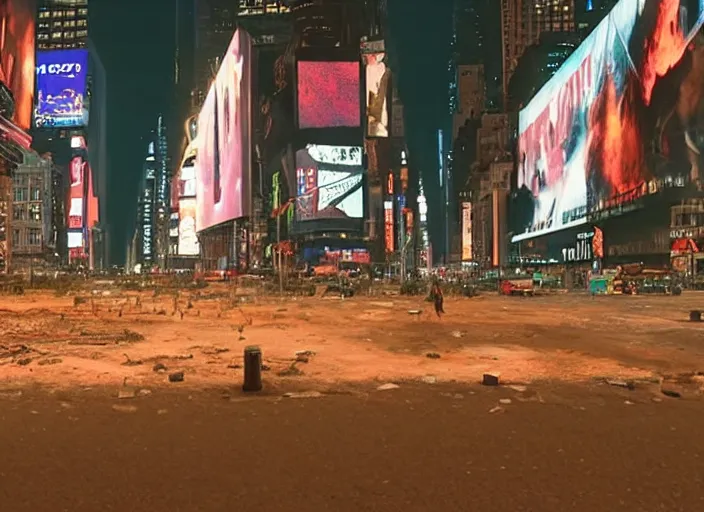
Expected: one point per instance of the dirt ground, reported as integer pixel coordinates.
(111, 337)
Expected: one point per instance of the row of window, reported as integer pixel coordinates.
(27, 212)
(34, 237)
(67, 13)
(45, 25)
(58, 46)
(22, 194)
(69, 34)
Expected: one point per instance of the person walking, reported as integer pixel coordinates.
(436, 296)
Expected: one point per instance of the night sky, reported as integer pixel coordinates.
(135, 39)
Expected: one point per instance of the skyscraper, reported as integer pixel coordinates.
(522, 22)
(62, 24)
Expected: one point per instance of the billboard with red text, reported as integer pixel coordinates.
(328, 94)
(223, 162)
(620, 119)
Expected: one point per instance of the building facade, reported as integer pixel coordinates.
(62, 24)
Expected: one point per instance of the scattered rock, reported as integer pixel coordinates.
(291, 371)
(144, 392)
(234, 366)
(266, 367)
(124, 408)
(457, 334)
(505, 401)
(519, 388)
(671, 393)
(301, 358)
(387, 386)
(307, 353)
(628, 402)
(432, 355)
(491, 379)
(429, 379)
(176, 377)
(458, 396)
(131, 362)
(66, 405)
(126, 393)
(304, 394)
(161, 412)
(24, 361)
(656, 399)
(496, 409)
(159, 368)
(11, 393)
(622, 384)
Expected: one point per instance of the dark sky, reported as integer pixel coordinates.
(135, 39)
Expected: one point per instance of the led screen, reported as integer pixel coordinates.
(17, 56)
(329, 182)
(61, 89)
(77, 171)
(377, 75)
(224, 135)
(328, 94)
(187, 238)
(618, 120)
(75, 239)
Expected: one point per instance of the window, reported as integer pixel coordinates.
(35, 193)
(69, 35)
(43, 37)
(70, 13)
(15, 237)
(35, 212)
(58, 14)
(19, 212)
(83, 12)
(82, 23)
(82, 33)
(71, 23)
(56, 35)
(35, 236)
(20, 194)
(57, 24)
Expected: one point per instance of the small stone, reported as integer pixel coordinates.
(656, 399)
(671, 393)
(457, 334)
(144, 392)
(176, 377)
(496, 409)
(304, 394)
(124, 408)
(628, 402)
(621, 384)
(66, 405)
(161, 412)
(302, 358)
(387, 386)
(458, 396)
(126, 393)
(491, 379)
(505, 401)
(159, 368)
(25, 361)
(308, 353)
(432, 355)
(429, 379)
(518, 388)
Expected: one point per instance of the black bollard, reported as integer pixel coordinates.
(252, 369)
(695, 316)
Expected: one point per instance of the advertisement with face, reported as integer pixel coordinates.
(330, 180)
(467, 252)
(17, 56)
(328, 94)
(77, 171)
(378, 75)
(224, 137)
(187, 238)
(620, 119)
(61, 89)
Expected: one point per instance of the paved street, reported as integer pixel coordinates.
(417, 448)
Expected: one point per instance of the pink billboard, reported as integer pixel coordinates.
(224, 133)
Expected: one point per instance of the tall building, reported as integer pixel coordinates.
(329, 23)
(162, 197)
(62, 24)
(142, 247)
(522, 23)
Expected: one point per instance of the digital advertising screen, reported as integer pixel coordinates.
(61, 89)
(187, 238)
(618, 120)
(17, 56)
(75, 239)
(329, 182)
(328, 94)
(377, 77)
(224, 139)
(76, 191)
(467, 253)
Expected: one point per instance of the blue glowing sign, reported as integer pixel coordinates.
(61, 100)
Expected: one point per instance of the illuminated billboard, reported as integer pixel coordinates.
(389, 226)
(77, 172)
(328, 94)
(17, 56)
(61, 100)
(329, 182)
(187, 238)
(467, 232)
(618, 120)
(378, 76)
(224, 139)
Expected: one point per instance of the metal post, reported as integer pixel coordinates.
(278, 244)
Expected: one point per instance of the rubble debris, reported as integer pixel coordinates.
(518, 387)
(496, 409)
(429, 379)
(234, 366)
(388, 386)
(505, 401)
(309, 353)
(47, 362)
(10, 393)
(622, 384)
(159, 368)
(213, 351)
(671, 393)
(695, 316)
(304, 394)
(7, 351)
(457, 334)
(176, 377)
(490, 379)
(266, 367)
(24, 361)
(302, 358)
(124, 393)
(131, 362)
(291, 371)
(144, 392)
(432, 355)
